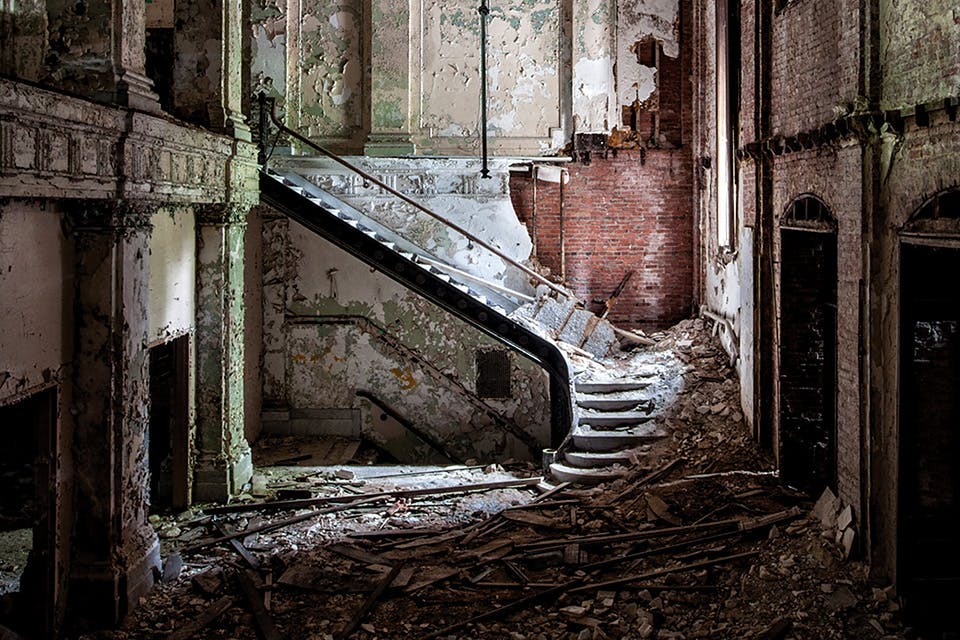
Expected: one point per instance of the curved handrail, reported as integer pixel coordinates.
(263, 99)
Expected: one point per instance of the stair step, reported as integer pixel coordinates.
(592, 440)
(610, 387)
(594, 459)
(565, 473)
(609, 404)
(615, 419)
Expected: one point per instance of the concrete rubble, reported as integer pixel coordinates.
(699, 539)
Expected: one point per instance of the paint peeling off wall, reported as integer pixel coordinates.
(640, 22)
(451, 188)
(172, 268)
(268, 57)
(328, 69)
(593, 53)
(523, 66)
(349, 329)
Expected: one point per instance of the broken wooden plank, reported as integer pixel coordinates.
(394, 533)
(265, 625)
(399, 493)
(248, 557)
(662, 572)
(193, 628)
(270, 526)
(370, 603)
(359, 555)
(653, 476)
(603, 538)
(510, 606)
(634, 337)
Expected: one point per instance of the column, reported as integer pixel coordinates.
(114, 550)
(99, 52)
(208, 80)
(390, 73)
(223, 462)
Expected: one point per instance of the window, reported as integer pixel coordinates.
(728, 118)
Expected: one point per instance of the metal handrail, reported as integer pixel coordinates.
(413, 203)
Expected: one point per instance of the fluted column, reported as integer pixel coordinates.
(114, 549)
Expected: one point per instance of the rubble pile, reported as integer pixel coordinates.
(702, 541)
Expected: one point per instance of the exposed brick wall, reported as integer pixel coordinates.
(922, 59)
(621, 214)
(814, 62)
(828, 176)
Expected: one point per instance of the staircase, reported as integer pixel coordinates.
(602, 426)
(613, 429)
(484, 305)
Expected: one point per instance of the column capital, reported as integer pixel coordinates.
(220, 213)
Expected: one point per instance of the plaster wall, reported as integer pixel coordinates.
(452, 188)
(36, 280)
(347, 328)
(173, 255)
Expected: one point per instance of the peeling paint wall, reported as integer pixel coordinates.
(346, 328)
(451, 188)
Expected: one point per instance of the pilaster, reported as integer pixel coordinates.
(114, 549)
(208, 81)
(390, 73)
(224, 463)
(100, 52)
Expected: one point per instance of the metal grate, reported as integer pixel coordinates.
(493, 373)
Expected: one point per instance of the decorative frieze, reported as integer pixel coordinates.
(57, 146)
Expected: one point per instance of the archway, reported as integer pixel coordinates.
(808, 346)
(929, 485)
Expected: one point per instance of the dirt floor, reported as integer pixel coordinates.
(702, 542)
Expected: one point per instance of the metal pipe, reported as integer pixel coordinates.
(484, 11)
(413, 203)
(533, 218)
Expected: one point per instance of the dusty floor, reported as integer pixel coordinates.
(702, 542)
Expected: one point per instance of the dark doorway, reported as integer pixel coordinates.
(27, 513)
(929, 514)
(169, 425)
(808, 359)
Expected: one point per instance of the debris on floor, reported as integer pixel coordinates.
(698, 539)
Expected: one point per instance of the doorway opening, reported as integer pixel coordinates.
(27, 514)
(929, 486)
(168, 450)
(808, 347)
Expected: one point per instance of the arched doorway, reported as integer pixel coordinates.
(808, 346)
(929, 479)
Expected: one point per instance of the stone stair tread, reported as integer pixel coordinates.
(609, 404)
(565, 473)
(594, 440)
(610, 387)
(593, 459)
(615, 418)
